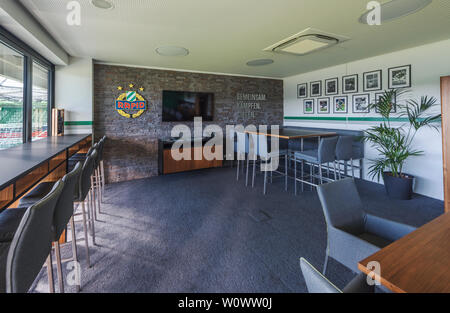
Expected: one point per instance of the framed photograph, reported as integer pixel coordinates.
(350, 84)
(340, 104)
(361, 103)
(316, 89)
(302, 90)
(308, 106)
(331, 86)
(373, 80)
(400, 77)
(323, 106)
(377, 98)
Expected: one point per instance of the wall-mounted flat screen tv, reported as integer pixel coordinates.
(183, 106)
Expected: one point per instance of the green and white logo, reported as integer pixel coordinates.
(131, 95)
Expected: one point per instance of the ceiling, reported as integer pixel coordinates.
(223, 35)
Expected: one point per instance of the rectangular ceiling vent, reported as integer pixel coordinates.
(306, 42)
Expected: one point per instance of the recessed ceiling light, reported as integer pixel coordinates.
(259, 62)
(172, 51)
(102, 4)
(396, 9)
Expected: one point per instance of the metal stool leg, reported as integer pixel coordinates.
(295, 177)
(286, 161)
(75, 255)
(303, 185)
(334, 165)
(353, 171)
(246, 175)
(85, 229)
(237, 169)
(51, 283)
(254, 172)
(59, 267)
(311, 174)
(320, 174)
(265, 181)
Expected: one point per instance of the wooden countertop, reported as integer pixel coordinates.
(20, 160)
(418, 262)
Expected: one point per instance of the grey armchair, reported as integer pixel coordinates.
(317, 283)
(353, 234)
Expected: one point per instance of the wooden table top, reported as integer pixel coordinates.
(418, 262)
(286, 133)
(20, 160)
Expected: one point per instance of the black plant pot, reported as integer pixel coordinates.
(399, 188)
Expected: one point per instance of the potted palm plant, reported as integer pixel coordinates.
(394, 144)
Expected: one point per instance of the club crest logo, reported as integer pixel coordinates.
(131, 104)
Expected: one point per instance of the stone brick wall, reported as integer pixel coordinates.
(131, 151)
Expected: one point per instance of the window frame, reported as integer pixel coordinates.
(30, 56)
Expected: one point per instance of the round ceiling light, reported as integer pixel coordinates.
(396, 9)
(260, 62)
(102, 4)
(172, 51)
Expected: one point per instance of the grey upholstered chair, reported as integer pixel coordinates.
(317, 283)
(62, 217)
(353, 234)
(261, 150)
(241, 151)
(32, 243)
(344, 152)
(326, 153)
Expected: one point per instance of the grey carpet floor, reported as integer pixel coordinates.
(204, 232)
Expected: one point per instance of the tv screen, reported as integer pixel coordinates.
(183, 106)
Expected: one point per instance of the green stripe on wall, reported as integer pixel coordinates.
(344, 119)
(77, 123)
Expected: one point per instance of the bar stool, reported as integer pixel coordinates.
(241, 152)
(32, 244)
(344, 152)
(261, 150)
(326, 153)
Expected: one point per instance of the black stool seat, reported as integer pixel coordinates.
(38, 192)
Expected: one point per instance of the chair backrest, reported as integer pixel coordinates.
(344, 148)
(85, 177)
(242, 142)
(327, 150)
(101, 144)
(64, 206)
(315, 281)
(263, 147)
(342, 205)
(32, 243)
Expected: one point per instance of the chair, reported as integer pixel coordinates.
(261, 150)
(326, 153)
(344, 152)
(32, 244)
(317, 283)
(241, 151)
(353, 234)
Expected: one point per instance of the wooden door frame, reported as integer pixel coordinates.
(445, 107)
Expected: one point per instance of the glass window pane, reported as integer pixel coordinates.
(11, 97)
(40, 102)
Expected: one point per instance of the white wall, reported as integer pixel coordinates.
(429, 63)
(74, 93)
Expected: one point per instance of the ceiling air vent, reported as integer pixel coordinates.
(306, 42)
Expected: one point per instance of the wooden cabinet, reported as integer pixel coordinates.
(168, 165)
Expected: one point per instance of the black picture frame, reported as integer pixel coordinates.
(336, 81)
(328, 105)
(311, 86)
(346, 104)
(305, 85)
(356, 84)
(378, 94)
(379, 82)
(354, 103)
(312, 106)
(393, 72)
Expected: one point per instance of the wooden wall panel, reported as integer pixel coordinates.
(445, 102)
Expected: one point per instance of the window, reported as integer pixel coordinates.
(26, 92)
(40, 102)
(11, 97)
